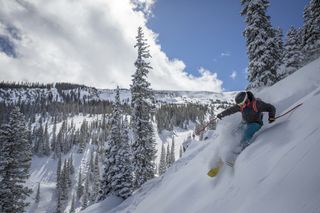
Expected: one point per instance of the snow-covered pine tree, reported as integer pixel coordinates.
(311, 31)
(293, 55)
(83, 136)
(72, 208)
(111, 154)
(54, 136)
(117, 178)
(79, 185)
(279, 48)
(38, 143)
(168, 156)
(85, 197)
(163, 164)
(46, 141)
(96, 181)
(15, 161)
(124, 187)
(261, 44)
(58, 173)
(172, 153)
(180, 152)
(38, 194)
(143, 145)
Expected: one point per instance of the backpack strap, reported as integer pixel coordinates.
(254, 105)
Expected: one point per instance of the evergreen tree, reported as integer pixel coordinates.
(15, 161)
(38, 144)
(143, 146)
(117, 178)
(279, 49)
(180, 152)
(85, 197)
(38, 194)
(58, 173)
(72, 208)
(79, 186)
(168, 161)
(311, 31)
(124, 187)
(46, 148)
(172, 153)
(261, 44)
(83, 136)
(293, 55)
(96, 180)
(54, 136)
(163, 164)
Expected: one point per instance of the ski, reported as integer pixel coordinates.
(215, 170)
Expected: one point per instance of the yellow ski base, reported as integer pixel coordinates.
(214, 171)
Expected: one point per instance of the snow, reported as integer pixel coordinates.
(278, 173)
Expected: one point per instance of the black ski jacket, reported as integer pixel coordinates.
(249, 115)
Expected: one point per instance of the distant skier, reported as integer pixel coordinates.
(251, 109)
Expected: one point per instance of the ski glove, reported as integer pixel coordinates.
(271, 119)
(219, 116)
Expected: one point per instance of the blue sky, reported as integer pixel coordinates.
(208, 33)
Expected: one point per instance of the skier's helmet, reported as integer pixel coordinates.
(241, 98)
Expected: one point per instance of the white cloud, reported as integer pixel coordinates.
(225, 54)
(89, 42)
(233, 75)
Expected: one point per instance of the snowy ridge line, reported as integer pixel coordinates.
(30, 95)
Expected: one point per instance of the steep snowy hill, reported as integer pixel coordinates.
(278, 173)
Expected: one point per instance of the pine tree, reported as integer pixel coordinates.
(261, 44)
(124, 187)
(85, 197)
(311, 31)
(58, 173)
(79, 186)
(38, 144)
(293, 55)
(279, 49)
(15, 161)
(83, 136)
(163, 164)
(72, 208)
(46, 148)
(143, 145)
(172, 153)
(38, 194)
(114, 141)
(117, 178)
(96, 181)
(168, 161)
(54, 136)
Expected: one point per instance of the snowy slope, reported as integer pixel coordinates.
(278, 173)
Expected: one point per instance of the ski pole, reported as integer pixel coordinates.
(198, 131)
(295, 107)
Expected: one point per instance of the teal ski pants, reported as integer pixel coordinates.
(249, 130)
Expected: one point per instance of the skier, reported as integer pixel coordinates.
(251, 109)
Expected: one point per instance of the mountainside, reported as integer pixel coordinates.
(278, 173)
(74, 120)
(62, 92)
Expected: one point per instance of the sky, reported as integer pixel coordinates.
(208, 33)
(195, 45)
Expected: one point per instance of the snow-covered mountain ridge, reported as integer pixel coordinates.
(278, 173)
(12, 95)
